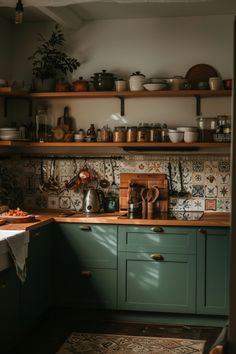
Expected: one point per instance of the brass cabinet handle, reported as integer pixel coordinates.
(36, 234)
(157, 257)
(86, 274)
(157, 229)
(85, 227)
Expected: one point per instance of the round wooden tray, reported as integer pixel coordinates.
(2, 222)
(200, 73)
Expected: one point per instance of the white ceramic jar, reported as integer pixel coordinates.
(136, 81)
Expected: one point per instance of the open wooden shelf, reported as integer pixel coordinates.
(111, 144)
(127, 94)
(13, 92)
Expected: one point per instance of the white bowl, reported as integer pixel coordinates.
(190, 137)
(176, 137)
(155, 86)
(187, 129)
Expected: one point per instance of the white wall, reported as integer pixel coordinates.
(156, 47)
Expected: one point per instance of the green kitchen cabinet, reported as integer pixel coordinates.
(85, 265)
(157, 269)
(213, 271)
(36, 291)
(9, 306)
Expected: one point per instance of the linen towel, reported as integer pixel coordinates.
(18, 246)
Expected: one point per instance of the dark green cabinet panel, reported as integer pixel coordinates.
(9, 306)
(213, 271)
(89, 245)
(85, 265)
(36, 292)
(157, 239)
(168, 285)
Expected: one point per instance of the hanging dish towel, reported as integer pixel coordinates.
(18, 245)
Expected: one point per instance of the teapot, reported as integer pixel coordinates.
(136, 81)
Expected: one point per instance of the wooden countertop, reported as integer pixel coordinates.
(45, 217)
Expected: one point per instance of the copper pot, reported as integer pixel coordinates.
(80, 85)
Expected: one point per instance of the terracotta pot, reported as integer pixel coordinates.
(62, 86)
(80, 85)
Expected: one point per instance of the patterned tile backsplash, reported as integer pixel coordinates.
(206, 178)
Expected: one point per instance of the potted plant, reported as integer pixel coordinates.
(50, 61)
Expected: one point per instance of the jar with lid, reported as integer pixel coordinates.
(105, 134)
(131, 134)
(119, 135)
(224, 124)
(207, 128)
(42, 128)
(143, 133)
(155, 133)
(164, 133)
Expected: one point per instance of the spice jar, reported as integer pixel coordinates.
(119, 135)
(143, 134)
(155, 133)
(131, 134)
(105, 134)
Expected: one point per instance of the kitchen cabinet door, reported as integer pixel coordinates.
(85, 265)
(36, 291)
(213, 271)
(165, 285)
(9, 306)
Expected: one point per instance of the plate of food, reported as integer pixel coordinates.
(17, 216)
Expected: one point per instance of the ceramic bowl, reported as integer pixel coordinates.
(155, 86)
(187, 129)
(176, 136)
(190, 137)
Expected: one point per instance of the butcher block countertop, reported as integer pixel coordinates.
(45, 217)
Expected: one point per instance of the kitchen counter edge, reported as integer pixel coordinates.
(44, 218)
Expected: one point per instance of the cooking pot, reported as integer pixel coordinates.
(91, 202)
(136, 81)
(80, 85)
(103, 81)
(178, 83)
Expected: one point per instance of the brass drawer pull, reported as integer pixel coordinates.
(86, 274)
(202, 231)
(157, 257)
(85, 228)
(157, 229)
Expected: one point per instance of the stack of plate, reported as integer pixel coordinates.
(9, 134)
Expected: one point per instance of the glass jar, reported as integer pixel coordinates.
(143, 133)
(155, 133)
(119, 135)
(91, 134)
(164, 133)
(207, 128)
(131, 134)
(105, 134)
(42, 131)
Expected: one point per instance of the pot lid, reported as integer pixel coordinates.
(137, 73)
(104, 73)
(81, 79)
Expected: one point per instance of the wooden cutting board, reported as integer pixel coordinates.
(146, 180)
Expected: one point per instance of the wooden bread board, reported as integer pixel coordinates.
(147, 180)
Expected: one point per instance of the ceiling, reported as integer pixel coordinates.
(74, 13)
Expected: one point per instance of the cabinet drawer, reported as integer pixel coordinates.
(168, 285)
(157, 239)
(93, 246)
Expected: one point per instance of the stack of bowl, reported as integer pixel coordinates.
(186, 134)
(10, 134)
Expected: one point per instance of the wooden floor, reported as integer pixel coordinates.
(54, 329)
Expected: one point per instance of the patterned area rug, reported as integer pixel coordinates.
(94, 343)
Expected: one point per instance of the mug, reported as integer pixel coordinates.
(215, 83)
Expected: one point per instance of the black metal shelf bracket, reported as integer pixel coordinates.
(198, 105)
(122, 105)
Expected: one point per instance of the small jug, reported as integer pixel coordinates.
(136, 81)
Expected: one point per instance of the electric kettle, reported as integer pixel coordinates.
(91, 202)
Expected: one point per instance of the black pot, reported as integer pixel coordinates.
(103, 81)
